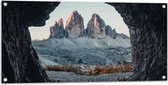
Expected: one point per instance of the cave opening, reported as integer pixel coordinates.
(88, 35)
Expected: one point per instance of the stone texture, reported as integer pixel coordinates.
(147, 24)
(96, 27)
(74, 26)
(19, 59)
(57, 31)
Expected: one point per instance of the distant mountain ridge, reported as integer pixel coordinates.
(98, 44)
(96, 28)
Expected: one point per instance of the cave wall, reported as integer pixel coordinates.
(19, 59)
(147, 25)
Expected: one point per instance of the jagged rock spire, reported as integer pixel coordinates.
(74, 26)
(57, 31)
(95, 27)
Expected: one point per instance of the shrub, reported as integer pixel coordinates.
(110, 69)
(95, 71)
(55, 68)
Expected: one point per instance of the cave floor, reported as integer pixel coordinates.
(72, 77)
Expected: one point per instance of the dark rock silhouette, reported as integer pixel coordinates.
(96, 27)
(19, 59)
(123, 36)
(147, 25)
(74, 26)
(57, 31)
(110, 32)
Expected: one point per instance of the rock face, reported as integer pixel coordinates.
(74, 26)
(123, 36)
(57, 31)
(19, 59)
(113, 33)
(148, 33)
(96, 27)
(110, 32)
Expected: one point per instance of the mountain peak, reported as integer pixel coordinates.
(123, 36)
(72, 17)
(110, 32)
(95, 15)
(74, 25)
(60, 22)
(75, 12)
(96, 27)
(57, 31)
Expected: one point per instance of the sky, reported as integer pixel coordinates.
(86, 9)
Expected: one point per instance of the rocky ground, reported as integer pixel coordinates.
(61, 76)
(86, 51)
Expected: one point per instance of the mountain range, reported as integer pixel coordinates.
(96, 28)
(98, 44)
